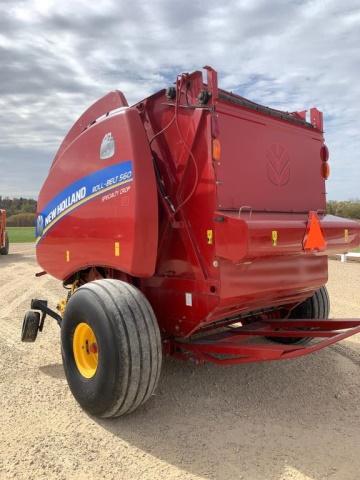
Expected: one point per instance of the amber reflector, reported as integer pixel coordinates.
(216, 149)
(325, 170)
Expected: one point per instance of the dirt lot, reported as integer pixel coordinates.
(296, 419)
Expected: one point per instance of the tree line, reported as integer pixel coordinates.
(21, 212)
(348, 208)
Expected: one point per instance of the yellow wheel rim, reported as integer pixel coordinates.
(85, 350)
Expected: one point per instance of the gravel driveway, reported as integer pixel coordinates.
(297, 419)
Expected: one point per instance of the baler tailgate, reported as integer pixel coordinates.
(241, 344)
(267, 162)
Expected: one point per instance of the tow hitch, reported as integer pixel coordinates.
(34, 319)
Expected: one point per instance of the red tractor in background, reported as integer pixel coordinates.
(190, 224)
(4, 239)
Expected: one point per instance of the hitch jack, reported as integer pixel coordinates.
(34, 320)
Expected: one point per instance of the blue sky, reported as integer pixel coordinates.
(58, 57)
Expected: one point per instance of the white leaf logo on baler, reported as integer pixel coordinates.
(107, 147)
(278, 165)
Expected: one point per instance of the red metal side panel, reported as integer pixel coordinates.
(341, 234)
(269, 281)
(267, 164)
(240, 238)
(263, 261)
(101, 211)
(104, 105)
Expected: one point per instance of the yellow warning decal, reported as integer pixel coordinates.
(274, 237)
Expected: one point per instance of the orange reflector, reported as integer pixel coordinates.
(325, 170)
(314, 238)
(216, 149)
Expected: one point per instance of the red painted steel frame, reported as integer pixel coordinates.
(205, 235)
(230, 347)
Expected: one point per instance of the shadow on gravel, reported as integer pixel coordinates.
(15, 258)
(351, 352)
(54, 370)
(12, 257)
(252, 421)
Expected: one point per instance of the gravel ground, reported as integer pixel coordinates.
(296, 419)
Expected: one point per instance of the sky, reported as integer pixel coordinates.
(58, 57)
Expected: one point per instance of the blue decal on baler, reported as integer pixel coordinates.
(82, 191)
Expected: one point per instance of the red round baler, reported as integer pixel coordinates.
(190, 224)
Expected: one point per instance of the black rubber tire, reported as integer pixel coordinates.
(30, 326)
(5, 249)
(129, 347)
(317, 306)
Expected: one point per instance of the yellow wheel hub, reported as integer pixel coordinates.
(85, 350)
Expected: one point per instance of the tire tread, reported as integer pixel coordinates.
(317, 307)
(136, 332)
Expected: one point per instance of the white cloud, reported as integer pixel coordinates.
(57, 57)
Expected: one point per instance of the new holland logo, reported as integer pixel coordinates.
(278, 165)
(107, 147)
(39, 225)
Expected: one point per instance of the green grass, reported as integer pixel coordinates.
(21, 234)
(357, 250)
